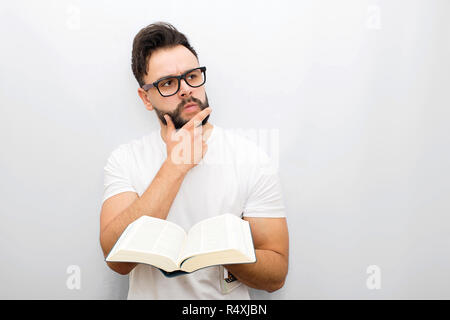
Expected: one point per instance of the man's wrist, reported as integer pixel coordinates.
(178, 170)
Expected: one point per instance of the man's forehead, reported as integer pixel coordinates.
(170, 61)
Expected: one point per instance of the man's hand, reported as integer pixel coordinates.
(187, 146)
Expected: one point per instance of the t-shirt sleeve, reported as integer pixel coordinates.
(116, 174)
(265, 194)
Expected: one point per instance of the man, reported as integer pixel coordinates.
(154, 176)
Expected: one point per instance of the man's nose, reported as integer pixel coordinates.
(185, 89)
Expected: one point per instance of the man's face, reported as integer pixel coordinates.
(173, 61)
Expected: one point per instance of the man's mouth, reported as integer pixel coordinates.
(190, 107)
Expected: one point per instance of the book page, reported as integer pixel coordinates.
(236, 238)
(211, 235)
(246, 245)
(221, 240)
(157, 236)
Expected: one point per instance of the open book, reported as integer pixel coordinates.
(224, 239)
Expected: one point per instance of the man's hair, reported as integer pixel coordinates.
(155, 36)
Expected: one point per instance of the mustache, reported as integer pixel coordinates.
(189, 100)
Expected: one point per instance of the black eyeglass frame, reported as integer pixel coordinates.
(148, 86)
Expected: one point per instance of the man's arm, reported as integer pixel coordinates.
(271, 241)
(124, 208)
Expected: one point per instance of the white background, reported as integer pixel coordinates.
(359, 91)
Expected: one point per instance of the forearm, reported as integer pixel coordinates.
(268, 273)
(155, 202)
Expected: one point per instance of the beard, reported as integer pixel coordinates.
(176, 116)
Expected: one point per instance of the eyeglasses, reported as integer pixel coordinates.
(168, 86)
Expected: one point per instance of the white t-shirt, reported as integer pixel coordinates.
(235, 176)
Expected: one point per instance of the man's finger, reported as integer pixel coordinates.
(199, 117)
(170, 125)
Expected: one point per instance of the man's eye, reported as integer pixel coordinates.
(166, 83)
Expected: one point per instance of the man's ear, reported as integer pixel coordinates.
(143, 95)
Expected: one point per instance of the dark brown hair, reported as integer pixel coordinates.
(154, 36)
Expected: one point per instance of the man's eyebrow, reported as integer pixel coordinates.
(174, 75)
